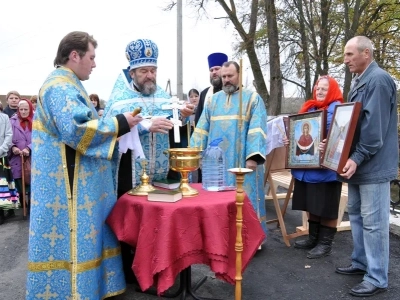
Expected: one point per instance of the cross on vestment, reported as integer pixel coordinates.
(175, 105)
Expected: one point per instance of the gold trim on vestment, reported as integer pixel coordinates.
(114, 293)
(255, 153)
(79, 267)
(39, 126)
(224, 118)
(114, 140)
(201, 131)
(87, 138)
(73, 215)
(257, 130)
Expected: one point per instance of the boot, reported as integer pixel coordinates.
(324, 246)
(2, 218)
(313, 230)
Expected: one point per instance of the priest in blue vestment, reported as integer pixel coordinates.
(137, 87)
(73, 254)
(242, 148)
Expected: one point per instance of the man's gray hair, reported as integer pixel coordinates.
(364, 43)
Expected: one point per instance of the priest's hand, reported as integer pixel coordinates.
(251, 164)
(187, 111)
(161, 125)
(132, 121)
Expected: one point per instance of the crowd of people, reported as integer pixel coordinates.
(82, 153)
(16, 132)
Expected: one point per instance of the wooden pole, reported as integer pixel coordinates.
(23, 187)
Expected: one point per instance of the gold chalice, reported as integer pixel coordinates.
(185, 160)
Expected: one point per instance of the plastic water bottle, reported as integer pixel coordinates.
(213, 167)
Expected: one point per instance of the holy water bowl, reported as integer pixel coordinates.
(185, 160)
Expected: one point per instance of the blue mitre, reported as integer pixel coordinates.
(217, 59)
(142, 53)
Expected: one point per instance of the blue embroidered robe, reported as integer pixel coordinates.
(220, 119)
(72, 253)
(125, 99)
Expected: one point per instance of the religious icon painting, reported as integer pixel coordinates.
(340, 136)
(305, 132)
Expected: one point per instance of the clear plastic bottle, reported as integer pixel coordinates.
(213, 167)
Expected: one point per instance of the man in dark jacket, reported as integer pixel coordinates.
(372, 164)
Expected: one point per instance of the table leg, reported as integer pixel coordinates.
(185, 287)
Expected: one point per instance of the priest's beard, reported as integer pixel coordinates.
(147, 88)
(229, 89)
(216, 82)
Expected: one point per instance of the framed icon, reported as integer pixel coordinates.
(305, 132)
(340, 136)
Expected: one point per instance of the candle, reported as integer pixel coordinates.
(240, 113)
(188, 133)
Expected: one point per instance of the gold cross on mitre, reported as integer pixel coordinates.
(175, 105)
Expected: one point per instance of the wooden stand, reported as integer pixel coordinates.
(276, 175)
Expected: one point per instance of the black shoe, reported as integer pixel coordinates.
(365, 289)
(350, 271)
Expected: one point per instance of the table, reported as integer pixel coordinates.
(170, 237)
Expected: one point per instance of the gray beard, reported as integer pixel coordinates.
(230, 89)
(147, 88)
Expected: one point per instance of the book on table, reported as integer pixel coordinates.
(170, 184)
(164, 195)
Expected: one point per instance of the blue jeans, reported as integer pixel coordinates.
(369, 209)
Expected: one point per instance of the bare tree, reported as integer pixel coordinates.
(276, 87)
(244, 21)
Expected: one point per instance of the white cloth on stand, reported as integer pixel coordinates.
(131, 141)
(275, 133)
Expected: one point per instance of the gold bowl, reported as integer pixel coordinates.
(185, 160)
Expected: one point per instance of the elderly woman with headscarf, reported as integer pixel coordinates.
(317, 191)
(21, 124)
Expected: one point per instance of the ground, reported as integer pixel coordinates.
(276, 272)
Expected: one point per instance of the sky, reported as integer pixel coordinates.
(30, 32)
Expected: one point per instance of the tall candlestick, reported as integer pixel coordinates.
(240, 112)
(188, 133)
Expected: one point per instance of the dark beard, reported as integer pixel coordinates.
(216, 82)
(229, 89)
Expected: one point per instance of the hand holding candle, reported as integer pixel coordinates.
(136, 111)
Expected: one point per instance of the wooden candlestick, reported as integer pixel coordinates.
(239, 173)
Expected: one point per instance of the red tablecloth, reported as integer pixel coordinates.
(170, 237)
